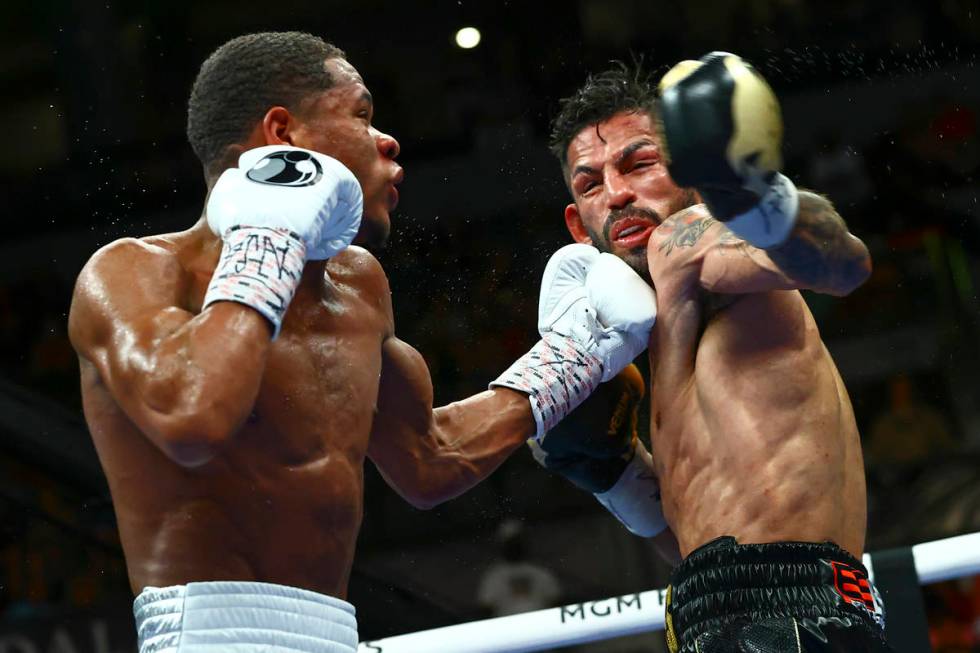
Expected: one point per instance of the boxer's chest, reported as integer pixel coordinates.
(320, 385)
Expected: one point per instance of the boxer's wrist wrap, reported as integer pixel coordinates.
(261, 268)
(769, 223)
(635, 499)
(558, 373)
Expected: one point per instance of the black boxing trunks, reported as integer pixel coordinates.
(779, 597)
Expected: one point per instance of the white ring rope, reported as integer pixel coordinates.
(629, 614)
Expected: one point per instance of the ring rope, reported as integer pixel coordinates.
(629, 614)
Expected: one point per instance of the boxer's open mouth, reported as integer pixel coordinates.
(632, 232)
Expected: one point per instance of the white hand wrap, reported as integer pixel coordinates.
(635, 498)
(558, 374)
(259, 267)
(594, 316)
(769, 223)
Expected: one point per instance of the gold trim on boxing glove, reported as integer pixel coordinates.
(626, 412)
(678, 72)
(669, 622)
(757, 137)
(671, 78)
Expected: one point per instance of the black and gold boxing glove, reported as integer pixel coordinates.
(596, 448)
(722, 133)
(593, 444)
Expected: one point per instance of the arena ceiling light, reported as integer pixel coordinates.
(468, 37)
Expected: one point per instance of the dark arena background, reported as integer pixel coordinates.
(881, 101)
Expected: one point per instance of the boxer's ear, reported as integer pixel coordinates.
(277, 126)
(573, 220)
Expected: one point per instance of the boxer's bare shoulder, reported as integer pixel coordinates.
(357, 266)
(358, 269)
(128, 251)
(118, 278)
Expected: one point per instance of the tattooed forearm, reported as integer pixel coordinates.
(821, 254)
(687, 227)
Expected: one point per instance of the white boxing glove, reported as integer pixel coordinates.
(594, 316)
(283, 187)
(626, 307)
(280, 207)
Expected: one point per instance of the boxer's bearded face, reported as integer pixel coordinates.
(621, 187)
(338, 123)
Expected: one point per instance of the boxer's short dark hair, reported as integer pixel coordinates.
(247, 76)
(623, 87)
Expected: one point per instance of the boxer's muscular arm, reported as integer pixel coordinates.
(820, 254)
(187, 381)
(432, 455)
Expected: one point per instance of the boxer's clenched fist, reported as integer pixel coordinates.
(593, 446)
(597, 449)
(722, 131)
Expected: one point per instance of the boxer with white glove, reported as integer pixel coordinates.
(594, 316)
(281, 207)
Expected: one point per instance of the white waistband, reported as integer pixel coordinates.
(242, 618)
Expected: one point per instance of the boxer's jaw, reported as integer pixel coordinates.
(635, 257)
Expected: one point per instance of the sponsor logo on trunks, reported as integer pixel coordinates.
(853, 586)
(286, 168)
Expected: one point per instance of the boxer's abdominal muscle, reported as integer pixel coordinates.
(756, 437)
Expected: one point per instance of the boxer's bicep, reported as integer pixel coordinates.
(400, 444)
(820, 253)
(117, 315)
(429, 455)
(116, 319)
(183, 379)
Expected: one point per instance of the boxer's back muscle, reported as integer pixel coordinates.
(282, 501)
(752, 430)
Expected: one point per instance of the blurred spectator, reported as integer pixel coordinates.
(909, 433)
(953, 608)
(513, 585)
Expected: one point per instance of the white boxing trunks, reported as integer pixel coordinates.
(242, 618)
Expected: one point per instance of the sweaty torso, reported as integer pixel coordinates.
(752, 431)
(282, 502)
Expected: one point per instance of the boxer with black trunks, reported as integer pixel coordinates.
(755, 464)
(236, 375)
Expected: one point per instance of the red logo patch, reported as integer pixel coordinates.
(853, 586)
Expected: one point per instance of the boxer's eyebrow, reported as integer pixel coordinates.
(631, 149)
(367, 97)
(583, 170)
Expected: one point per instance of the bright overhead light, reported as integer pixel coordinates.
(468, 37)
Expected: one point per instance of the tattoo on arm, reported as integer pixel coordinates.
(821, 253)
(686, 232)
